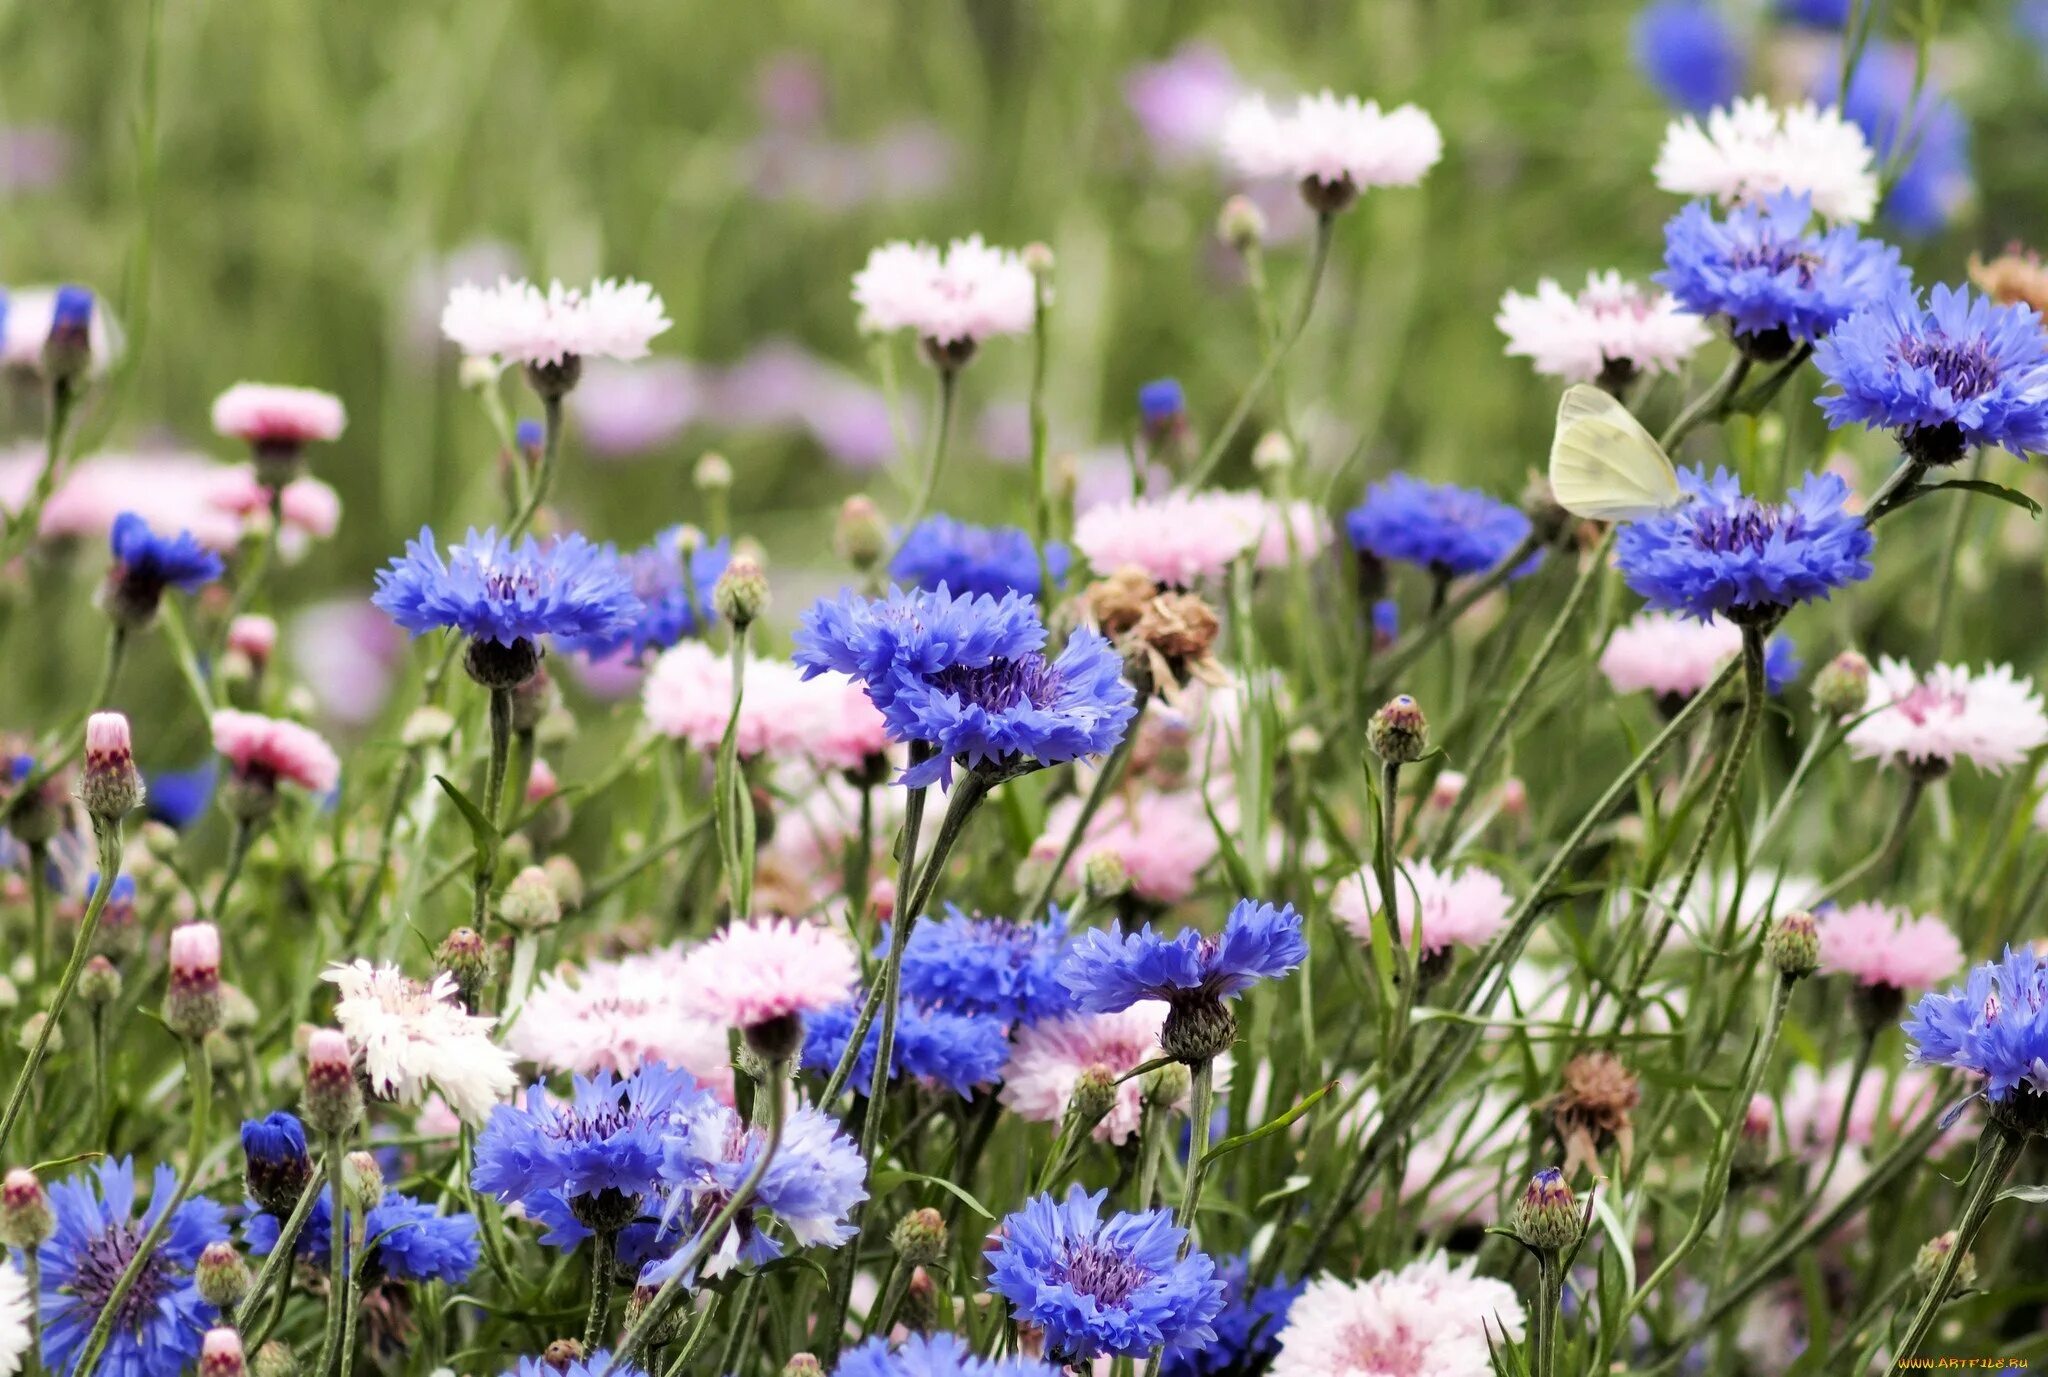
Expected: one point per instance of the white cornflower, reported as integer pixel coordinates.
(17, 1316)
(411, 1035)
(1613, 323)
(1749, 150)
(516, 322)
(952, 300)
(1427, 1320)
(1335, 147)
(1927, 723)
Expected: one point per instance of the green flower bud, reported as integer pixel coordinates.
(1398, 733)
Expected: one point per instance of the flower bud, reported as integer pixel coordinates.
(254, 637)
(1398, 733)
(1444, 791)
(567, 878)
(741, 593)
(882, 899)
(920, 1302)
(666, 1330)
(276, 1166)
(220, 1352)
(533, 698)
(1103, 875)
(1273, 454)
(274, 1359)
(1038, 260)
(223, 1278)
(362, 1181)
(920, 1236)
(497, 666)
(192, 1003)
(530, 904)
(859, 535)
(1753, 1142)
(1162, 411)
(424, 727)
(25, 1218)
(1927, 1263)
(713, 472)
(562, 1354)
(1843, 685)
(1093, 1096)
(1546, 1217)
(111, 787)
(465, 955)
(333, 1102)
(32, 1031)
(1241, 224)
(67, 349)
(476, 372)
(803, 1365)
(1793, 945)
(99, 984)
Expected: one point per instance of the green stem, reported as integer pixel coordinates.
(1894, 838)
(551, 448)
(1709, 405)
(494, 785)
(1829, 735)
(735, 810)
(1041, 502)
(1106, 780)
(1898, 488)
(1998, 1150)
(279, 1260)
(1403, 651)
(39, 906)
(231, 871)
(935, 463)
(387, 837)
(337, 1256)
(1543, 1325)
(1201, 1107)
(1857, 1070)
(604, 1249)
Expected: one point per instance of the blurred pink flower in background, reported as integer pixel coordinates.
(347, 652)
(33, 157)
(1181, 102)
(479, 262)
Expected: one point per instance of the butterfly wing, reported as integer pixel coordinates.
(1603, 464)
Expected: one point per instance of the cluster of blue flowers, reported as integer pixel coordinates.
(1994, 1025)
(673, 585)
(492, 591)
(1247, 1327)
(1725, 553)
(962, 1051)
(936, 1355)
(409, 1239)
(1446, 529)
(968, 676)
(940, 552)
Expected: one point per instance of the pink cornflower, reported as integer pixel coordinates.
(254, 636)
(1179, 539)
(1668, 655)
(1165, 841)
(952, 300)
(541, 783)
(171, 491)
(346, 651)
(1927, 723)
(311, 509)
(688, 695)
(617, 1016)
(1463, 908)
(1340, 146)
(1612, 323)
(767, 969)
(269, 749)
(1881, 945)
(517, 322)
(1297, 530)
(1046, 1059)
(268, 416)
(1427, 1320)
(838, 725)
(410, 1036)
(1811, 1106)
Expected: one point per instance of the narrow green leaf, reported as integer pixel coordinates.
(2032, 1195)
(886, 1181)
(1270, 1127)
(482, 834)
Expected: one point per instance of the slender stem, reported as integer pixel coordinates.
(551, 448)
(699, 1333)
(27, 523)
(108, 834)
(408, 778)
(604, 1250)
(231, 871)
(1997, 1151)
(1857, 1070)
(1894, 838)
(1403, 651)
(337, 1255)
(1897, 489)
(1319, 258)
(1543, 1329)
(1201, 1108)
(1829, 735)
(935, 463)
(1106, 780)
(39, 906)
(1041, 501)
(494, 785)
(735, 810)
(279, 1260)
(1709, 405)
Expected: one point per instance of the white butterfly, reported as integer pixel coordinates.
(1603, 465)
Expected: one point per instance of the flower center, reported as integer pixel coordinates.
(1966, 370)
(1105, 1274)
(1002, 685)
(1925, 702)
(1369, 1348)
(105, 1257)
(1743, 526)
(1780, 257)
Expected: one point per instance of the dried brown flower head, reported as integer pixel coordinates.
(1593, 1109)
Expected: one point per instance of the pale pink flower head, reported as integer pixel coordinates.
(1671, 656)
(1811, 1106)
(541, 783)
(516, 322)
(268, 749)
(220, 1354)
(1165, 841)
(619, 1015)
(1613, 325)
(171, 491)
(1924, 724)
(195, 954)
(1428, 1319)
(838, 724)
(1295, 530)
(412, 1036)
(266, 416)
(1749, 150)
(1462, 908)
(253, 635)
(1333, 147)
(1047, 1058)
(952, 300)
(311, 509)
(108, 745)
(766, 969)
(1177, 540)
(1882, 945)
(688, 695)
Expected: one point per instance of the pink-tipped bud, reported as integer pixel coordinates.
(192, 1004)
(25, 1218)
(254, 636)
(220, 1354)
(1444, 790)
(540, 782)
(111, 787)
(882, 899)
(221, 1275)
(1546, 1217)
(1514, 799)
(333, 1101)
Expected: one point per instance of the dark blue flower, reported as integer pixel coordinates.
(1444, 528)
(1689, 53)
(146, 564)
(529, 435)
(993, 966)
(969, 676)
(1247, 1327)
(597, 1364)
(1770, 273)
(1994, 1024)
(959, 1050)
(1819, 14)
(122, 895)
(673, 607)
(1162, 411)
(1098, 1286)
(276, 1164)
(409, 1239)
(1724, 552)
(1386, 623)
(593, 1162)
(935, 1355)
(178, 798)
(1781, 664)
(160, 1322)
(490, 590)
(941, 552)
(1959, 371)
(1108, 972)
(72, 309)
(1890, 99)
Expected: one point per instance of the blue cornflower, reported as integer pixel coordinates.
(1444, 528)
(673, 606)
(1995, 1024)
(813, 1181)
(158, 1328)
(992, 966)
(179, 798)
(958, 1050)
(941, 552)
(1819, 14)
(410, 1240)
(1098, 1286)
(529, 435)
(1775, 278)
(597, 1364)
(1247, 1327)
(1727, 553)
(1386, 622)
(147, 564)
(2031, 18)
(589, 1164)
(1890, 99)
(1959, 371)
(1781, 664)
(935, 1355)
(494, 592)
(1689, 53)
(1193, 973)
(276, 1164)
(1162, 410)
(968, 675)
